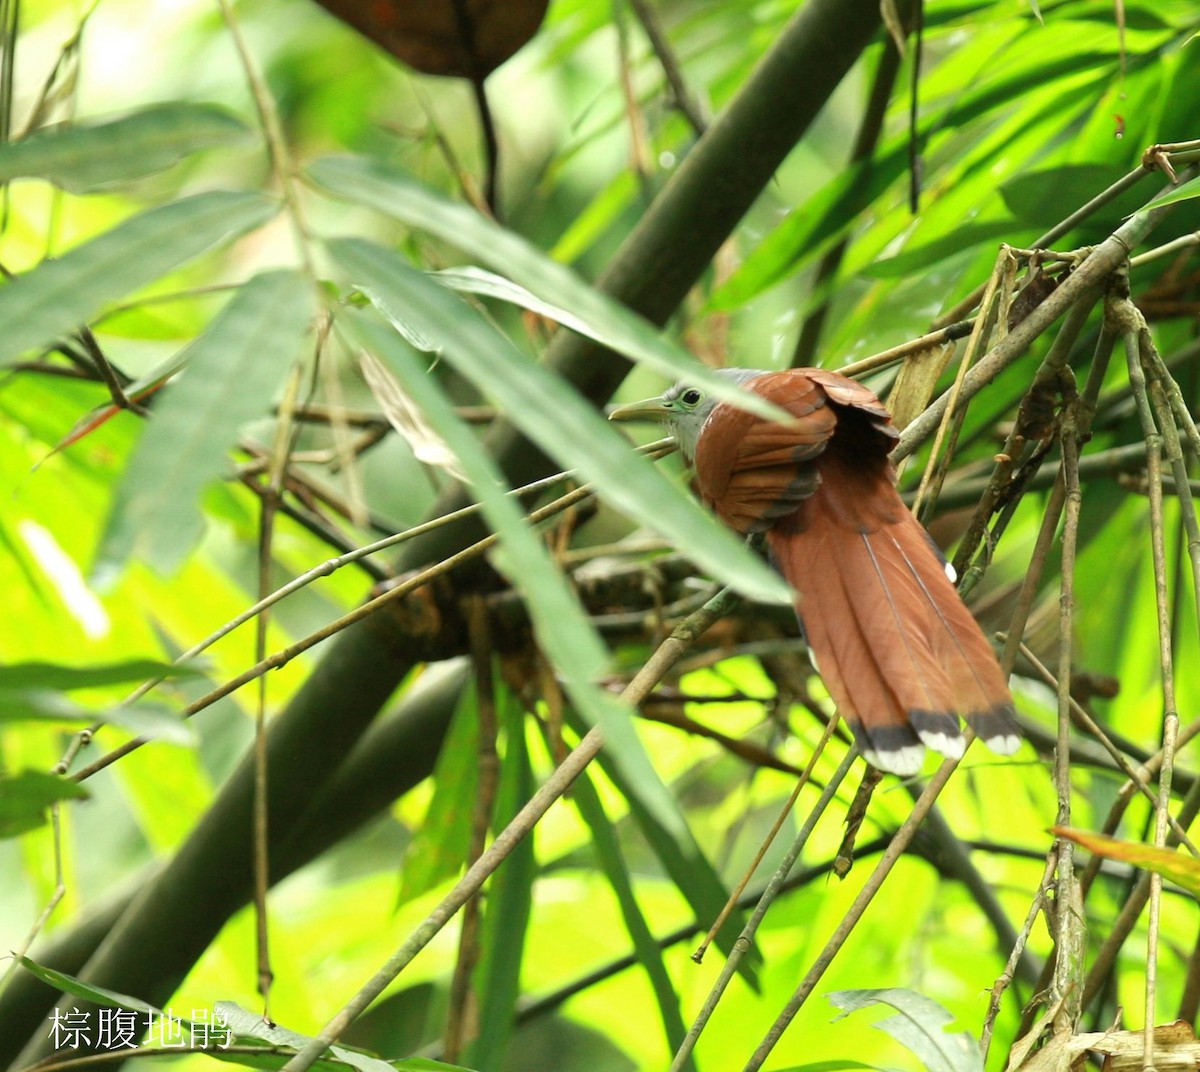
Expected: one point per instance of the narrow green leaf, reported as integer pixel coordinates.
(93, 154)
(43, 675)
(939, 249)
(440, 844)
(920, 1025)
(95, 994)
(1186, 192)
(563, 629)
(608, 321)
(1042, 198)
(248, 1025)
(55, 298)
(554, 416)
(509, 901)
(677, 850)
(647, 950)
(24, 798)
(46, 705)
(562, 625)
(233, 371)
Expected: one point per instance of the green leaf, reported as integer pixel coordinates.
(45, 705)
(920, 1025)
(93, 154)
(554, 284)
(1042, 198)
(835, 1065)
(440, 844)
(561, 625)
(1186, 192)
(647, 950)
(680, 854)
(95, 994)
(56, 297)
(44, 675)
(509, 902)
(233, 371)
(938, 249)
(24, 798)
(251, 1026)
(554, 416)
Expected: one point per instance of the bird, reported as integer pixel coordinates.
(899, 652)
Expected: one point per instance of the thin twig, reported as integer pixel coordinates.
(1091, 274)
(655, 450)
(689, 106)
(1134, 324)
(282, 165)
(286, 655)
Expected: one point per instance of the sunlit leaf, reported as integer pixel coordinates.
(93, 154)
(1179, 867)
(612, 863)
(683, 859)
(440, 845)
(55, 298)
(234, 369)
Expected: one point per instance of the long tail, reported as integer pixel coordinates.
(898, 651)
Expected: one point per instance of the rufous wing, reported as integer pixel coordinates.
(899, 652)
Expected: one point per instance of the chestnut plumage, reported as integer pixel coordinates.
(898, 651)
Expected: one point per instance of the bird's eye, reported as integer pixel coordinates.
(691, 397)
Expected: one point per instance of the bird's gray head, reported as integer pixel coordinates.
(683, 408)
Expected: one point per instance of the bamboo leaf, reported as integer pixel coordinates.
(647, 950)
(86, 156)
(1186, 192)
(562, 627)
(919, 1024)
(233, 370)
(44, 675)
(563, 424)
(24, 798)
(683, 859)
(78, 988)
(509, 901)
(55, 298)
(247, 1025)
(437, 850)
(43, 705)
(553, 284)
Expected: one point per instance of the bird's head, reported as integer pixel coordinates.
(683, 408)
